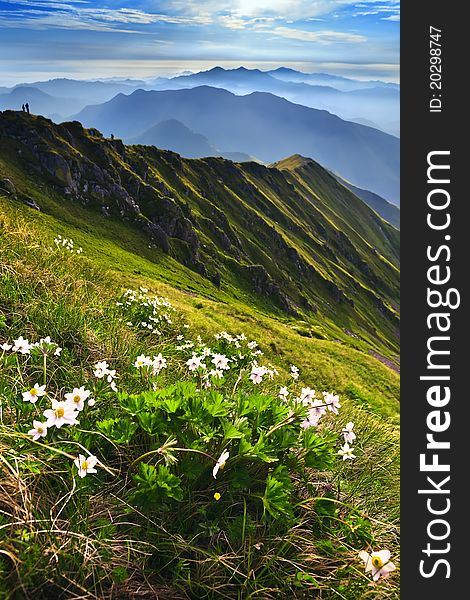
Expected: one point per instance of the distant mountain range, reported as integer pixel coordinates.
(336, 81)
(376, 102)
(261, 125)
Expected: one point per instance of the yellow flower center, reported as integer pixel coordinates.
(217, 496)
(76, 399)
(59, 412)
(33, 392)
(377, 562)
(222, 465)
(40, 429)
(84, 465)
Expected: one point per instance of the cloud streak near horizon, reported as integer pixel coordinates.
(214, 31)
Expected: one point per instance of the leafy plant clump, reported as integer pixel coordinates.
(184, 467)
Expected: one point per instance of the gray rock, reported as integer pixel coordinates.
(31, 203)
(6, 185)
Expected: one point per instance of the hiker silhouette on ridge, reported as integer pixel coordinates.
(23, 108)
(27, 107)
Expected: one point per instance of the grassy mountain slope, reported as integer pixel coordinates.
(307, 249)
(119, 533)
(287, 516)
(261, 125)
(385, 209)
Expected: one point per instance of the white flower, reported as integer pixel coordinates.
(61, 413)
(310, 422)
(194, 363)
(317, 410)
(92, 401)
(217, 373)
(85, 464)
(307, 395)
(220, 361)
(378, 563)
(220, 464)
(252, 345)
(158, 363)
(77, 398)
(5, 347)
(21, 345)
(101, 369)
(348, 433)
(142, 361)
(346, 452)
(46, 346)
(294, 371)
(283, 393)
(40, 430)
(34, 393)
(257, 374)
(332, 402)
(271, 372)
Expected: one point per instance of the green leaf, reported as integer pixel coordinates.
(171, 405)
(156, 485)
(150, 423)
(276, 499)
(230, 431)
(216, 405)
(132, 404)
(118, 430)
(320, 450)
(169, 483)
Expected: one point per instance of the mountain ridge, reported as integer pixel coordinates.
(304, 249)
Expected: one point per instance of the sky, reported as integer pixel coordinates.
(84, 39)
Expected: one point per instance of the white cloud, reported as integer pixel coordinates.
(76, 14)
(320, 37)
(392, 9)
(280, 9)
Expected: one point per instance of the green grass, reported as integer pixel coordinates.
(342, 362)
(65, 537)
(333, 260)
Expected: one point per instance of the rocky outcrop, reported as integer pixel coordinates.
(99, 178)
(281, 236)
(263, 284)
(7, 186)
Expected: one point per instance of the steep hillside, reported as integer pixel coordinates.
(261, 125)
(385, 209)
(298, 245)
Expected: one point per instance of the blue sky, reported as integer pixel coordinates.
(41, 39)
